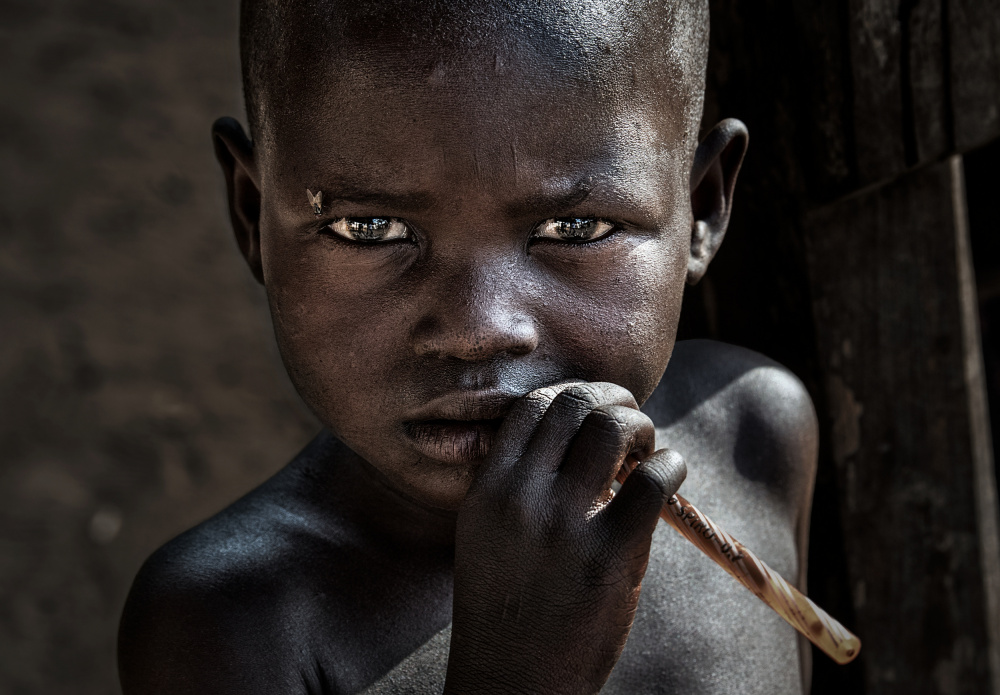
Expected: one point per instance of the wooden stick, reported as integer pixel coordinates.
(797, 610)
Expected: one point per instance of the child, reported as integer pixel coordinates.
(474, 221)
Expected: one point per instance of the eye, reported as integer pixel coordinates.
(573, 229)
(370, 230)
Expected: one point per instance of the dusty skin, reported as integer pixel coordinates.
(511, 206)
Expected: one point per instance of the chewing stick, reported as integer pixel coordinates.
(797, 610)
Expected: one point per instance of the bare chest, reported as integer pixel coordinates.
(696, 630)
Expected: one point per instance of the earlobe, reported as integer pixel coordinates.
(713, 179)
(235, 153)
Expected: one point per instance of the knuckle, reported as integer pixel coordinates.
(540, 397)
(577, 397)
(519, 501)
(637, 420)
(533, 405)
(609, 425)
(603, 437)
(616, 394)
(666, 470)
(623, 428)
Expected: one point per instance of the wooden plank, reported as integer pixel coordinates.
(982, 440)
(781, 89)
(793, 93)
(875, 45)
(819, 94)
(907, 440)
(974, 37)
(925, 83)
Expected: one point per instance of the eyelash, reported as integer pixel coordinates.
(353, 224)
(391, 227)
(604, 230)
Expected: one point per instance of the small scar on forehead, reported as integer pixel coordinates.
(316, 201)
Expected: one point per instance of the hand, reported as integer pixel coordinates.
(547, 570)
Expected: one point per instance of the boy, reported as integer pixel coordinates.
(474, 221)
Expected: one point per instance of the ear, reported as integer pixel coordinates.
(713, 177)
(235, 153)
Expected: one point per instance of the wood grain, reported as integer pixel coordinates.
(875, 48)
(889, 310)
(974, 36)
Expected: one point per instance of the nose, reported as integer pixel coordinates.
(475, 316)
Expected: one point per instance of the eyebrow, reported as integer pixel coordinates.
(347, 193)
(554, 200)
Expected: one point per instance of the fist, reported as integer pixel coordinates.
(548, 564)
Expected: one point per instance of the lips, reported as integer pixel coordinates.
(458, 428)
(454, 441)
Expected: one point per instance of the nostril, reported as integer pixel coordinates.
(525, 338)
(475, 338)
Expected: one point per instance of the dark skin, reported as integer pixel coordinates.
(491, 291)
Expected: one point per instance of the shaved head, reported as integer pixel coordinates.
(472, 194)
(644, 49)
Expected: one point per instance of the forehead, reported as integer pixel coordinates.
(494, 113)
(479, 99)
(565, 32)
(644, 55)
(438, 94)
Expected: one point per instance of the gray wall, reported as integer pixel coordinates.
(139, 386)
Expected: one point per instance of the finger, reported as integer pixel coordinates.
(520, 424)
(517, 429)
(632, 515)
(608, 434)
(562, 421)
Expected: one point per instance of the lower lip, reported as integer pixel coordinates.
(453, 441)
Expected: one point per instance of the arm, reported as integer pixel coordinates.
(748, 429)
(188, 632)
(779, 405)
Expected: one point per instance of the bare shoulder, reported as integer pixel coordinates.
(756, 413)
(747, 429)
(224, 607)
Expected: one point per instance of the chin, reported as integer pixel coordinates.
(423, 481)
(443, 488)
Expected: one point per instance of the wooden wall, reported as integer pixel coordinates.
(849, 260)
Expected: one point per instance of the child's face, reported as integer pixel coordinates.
(412, 349)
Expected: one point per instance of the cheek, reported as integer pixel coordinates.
(619, 321)
(657, 274)
(332, 328)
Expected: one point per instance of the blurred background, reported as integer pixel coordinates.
(140, 389)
